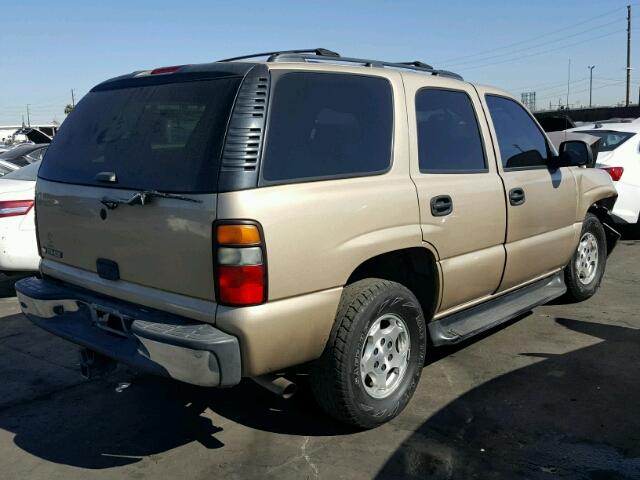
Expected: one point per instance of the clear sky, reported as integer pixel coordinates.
(49, 47)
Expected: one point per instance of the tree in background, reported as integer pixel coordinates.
(68, 108)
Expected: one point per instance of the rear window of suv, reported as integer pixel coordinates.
(326, 125)
(165, 137)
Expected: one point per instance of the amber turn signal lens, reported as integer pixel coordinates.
(238, 234)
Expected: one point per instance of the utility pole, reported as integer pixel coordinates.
(628, 55)
(591, 67)
(568, 81)
(73, 99)
(28, 116)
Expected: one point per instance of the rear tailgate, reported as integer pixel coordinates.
(162, 136)
(165, 244)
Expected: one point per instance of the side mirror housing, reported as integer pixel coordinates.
(575, 153)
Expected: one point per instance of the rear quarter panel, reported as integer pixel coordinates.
(594, 185)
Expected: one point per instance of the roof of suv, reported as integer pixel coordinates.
(241, 65)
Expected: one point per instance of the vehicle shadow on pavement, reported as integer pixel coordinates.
(572, 415)
(7, 284)
(90, 424)
(566, 414)
(630, 232)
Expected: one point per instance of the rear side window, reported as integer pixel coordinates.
(609, 139)
(448, 134)
(522, 144)
(325, 125)
(164, 137)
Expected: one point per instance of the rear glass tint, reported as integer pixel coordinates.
(324, 125)
(609, 139)
(164, 137)
(448, 133)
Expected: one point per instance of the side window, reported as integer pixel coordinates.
(448, 134)
(522, 144)
(325, 125)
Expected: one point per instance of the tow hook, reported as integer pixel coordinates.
(93, 364)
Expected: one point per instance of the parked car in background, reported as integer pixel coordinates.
(7, 167)
(557, 138)
(554, 123)
(619, 155)
(24, 154)
(18, 245)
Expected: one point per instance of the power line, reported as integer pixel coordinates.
(537, 37)
(540, 53)
(559, 94)
(549, 42)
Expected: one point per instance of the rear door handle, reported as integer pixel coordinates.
(516, 196)
(441, 205)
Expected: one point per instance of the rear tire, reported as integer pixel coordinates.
(374, 357)
(586, 269)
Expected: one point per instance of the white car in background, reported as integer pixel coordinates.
(18, 246)
(619, 155)
(7, 167)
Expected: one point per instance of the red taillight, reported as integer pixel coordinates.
(161, 70)
(242, 285)
(240, 273)
(12, 208)
(614, 172)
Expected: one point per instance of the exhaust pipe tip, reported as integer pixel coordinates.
(278, 385)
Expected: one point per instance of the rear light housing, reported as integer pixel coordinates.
(14, 208)
(165, 70)
(614, 172)
(240, 263)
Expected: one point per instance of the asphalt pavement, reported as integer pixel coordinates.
(553, 394)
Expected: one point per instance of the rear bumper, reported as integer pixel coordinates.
(152, 341)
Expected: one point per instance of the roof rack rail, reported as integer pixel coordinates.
(417, 63)
(325, 55)
(320, 52)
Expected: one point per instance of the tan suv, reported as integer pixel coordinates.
(234, 219)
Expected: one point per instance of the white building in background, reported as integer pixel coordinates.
(8, 132)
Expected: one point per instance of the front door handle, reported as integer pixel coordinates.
(441, 205)
(516, 196)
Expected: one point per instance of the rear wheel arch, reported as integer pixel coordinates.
(415, 268)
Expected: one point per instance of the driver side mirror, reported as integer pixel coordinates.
(575, 153)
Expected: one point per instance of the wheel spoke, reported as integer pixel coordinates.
(586, 263)
(383, 360)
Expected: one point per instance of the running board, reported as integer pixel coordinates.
(467, 323)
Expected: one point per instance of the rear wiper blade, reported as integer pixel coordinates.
(147, 194)
(144, 197)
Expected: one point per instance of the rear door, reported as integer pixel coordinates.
(161, 135)
(462, 206)
(541, 201)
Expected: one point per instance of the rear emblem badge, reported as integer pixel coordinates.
(52, 252)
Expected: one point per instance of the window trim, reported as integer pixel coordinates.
(275, 77)
(436, 171)
(550, 152)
